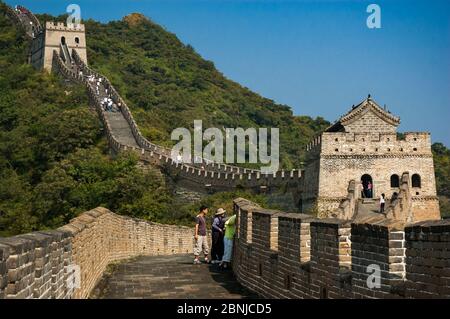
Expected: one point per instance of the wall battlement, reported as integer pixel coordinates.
(61, 26)
(41, 264)
(411, 143)
(332, 258)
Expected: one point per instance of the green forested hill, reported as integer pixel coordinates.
(54, 161)
(442, 170)
(168, 85)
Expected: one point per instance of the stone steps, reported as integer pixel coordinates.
(121, 129)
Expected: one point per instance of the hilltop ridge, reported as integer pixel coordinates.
(134, 19)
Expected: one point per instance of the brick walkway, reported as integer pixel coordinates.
(168, 277)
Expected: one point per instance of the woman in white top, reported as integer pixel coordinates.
(382, 203)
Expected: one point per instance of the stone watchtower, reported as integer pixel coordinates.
(363, 145)
(52, 38)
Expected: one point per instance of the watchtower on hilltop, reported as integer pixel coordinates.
(363, 146)
(56, 36)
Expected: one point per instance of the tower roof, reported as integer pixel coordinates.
(358, 111)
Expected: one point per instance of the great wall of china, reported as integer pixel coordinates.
(280, 255)
(277, 255)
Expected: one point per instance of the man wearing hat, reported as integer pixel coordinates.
(218, 226)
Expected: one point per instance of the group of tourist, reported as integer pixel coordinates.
(222, 235)
(107, 102)
(23, 12)
(108, 105)
(97, 82)
(366, 189)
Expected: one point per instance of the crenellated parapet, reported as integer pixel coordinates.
(378, 248)
(69, 261)
(26, 19)
(375, 144)
(334, 258)
(61, 26)
(427, 264)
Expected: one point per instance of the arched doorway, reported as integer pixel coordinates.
(367, 184)
(63, 40)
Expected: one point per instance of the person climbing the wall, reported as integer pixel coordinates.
(218, 226)
(230, 229)
(201, 241)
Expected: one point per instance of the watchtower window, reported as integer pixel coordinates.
(395, 181)
(63, 40)
(416, 182)
(77, 40)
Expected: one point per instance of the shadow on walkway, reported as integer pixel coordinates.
(175, 277)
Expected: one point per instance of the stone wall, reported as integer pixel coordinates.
(47, 264)
(332, 258)
(214, 177)
(370, 122)
(336, 158)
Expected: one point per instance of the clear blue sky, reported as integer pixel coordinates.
(318, 57)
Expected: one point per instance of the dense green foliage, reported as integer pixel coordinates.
(442, 170)
(54, 162)
(219, 200)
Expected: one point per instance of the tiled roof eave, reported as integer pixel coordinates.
(363, 108)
